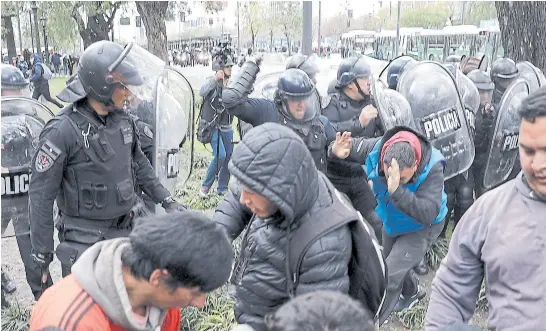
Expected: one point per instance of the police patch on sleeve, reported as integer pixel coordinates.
(46, 156)
(325, 101)
(148, 132)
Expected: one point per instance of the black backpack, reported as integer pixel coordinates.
(367, 267)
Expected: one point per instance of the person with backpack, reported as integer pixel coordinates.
(300, 237)
(41, 74)
(407, 177)
(216, 126)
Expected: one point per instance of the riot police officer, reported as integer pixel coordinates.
(89, 157)
(22, 118)
(503, 72)
(216, 126)
(350, 109)
(296, 105)
(305, 63)
(396, 68)
(485, 120)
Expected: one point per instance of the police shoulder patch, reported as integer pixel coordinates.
(148, 132)
(46, 156)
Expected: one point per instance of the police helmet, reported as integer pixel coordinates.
(305, 63)
(504, 68)
(481, 79)
(352, 68)
(13, 78)
(102, 66)
(396, 68)
(295, 85)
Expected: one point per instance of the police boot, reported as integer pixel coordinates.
(8, 285)
(422, 269)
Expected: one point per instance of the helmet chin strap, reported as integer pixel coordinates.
(360, 90)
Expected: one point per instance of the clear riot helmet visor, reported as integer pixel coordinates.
(485, 97)
(301, 108)
(137, 70)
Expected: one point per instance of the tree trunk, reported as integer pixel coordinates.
(153, 15)
(98, 24)
(523, 28)
(7, 26)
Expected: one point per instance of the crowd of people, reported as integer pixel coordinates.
(336, 206)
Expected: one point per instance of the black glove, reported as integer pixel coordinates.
(170, 205)
(41, 260)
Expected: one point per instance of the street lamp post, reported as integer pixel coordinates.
(44, 21)
(35, 13)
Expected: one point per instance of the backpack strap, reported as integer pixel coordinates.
(338, 214)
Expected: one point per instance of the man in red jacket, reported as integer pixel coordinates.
(140, 283)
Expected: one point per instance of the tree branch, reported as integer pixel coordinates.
(77, 17)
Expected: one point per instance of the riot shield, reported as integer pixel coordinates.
(504, 146)
(22, 121)
(174, 130)
(471, 99)
(439, 114)
(393, 109)
(532, 75)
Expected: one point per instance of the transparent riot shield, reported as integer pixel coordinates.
(471, 99)
(532, 75)
(22, 122)
(504, 146)
(174, 130)
(392, 107)
(438, 113)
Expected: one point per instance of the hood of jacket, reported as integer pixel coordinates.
(99, 272)
(426, 147)
(37, 59)
(273, 161)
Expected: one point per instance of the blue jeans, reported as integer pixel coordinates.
(225, 150)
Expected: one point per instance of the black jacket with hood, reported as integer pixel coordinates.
(274, 162)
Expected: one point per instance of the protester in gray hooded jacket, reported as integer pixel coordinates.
(282, 187)
(501, 240)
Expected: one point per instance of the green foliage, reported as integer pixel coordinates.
(252, 14)
(15, 318)
(217, 315)
(433, 16)
(414, 318)
(62, 31)
(479, 10)
(436, 253)
(190, 193)
(482, 304)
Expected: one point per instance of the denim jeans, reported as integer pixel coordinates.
(225, 149)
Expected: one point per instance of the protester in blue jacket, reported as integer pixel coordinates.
(407, 177)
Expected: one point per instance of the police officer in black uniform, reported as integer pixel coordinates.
(17, 150)
(296, 105)
(350, 109)
(89, 159)
(485, 122)
(397, 68)
(503, 72)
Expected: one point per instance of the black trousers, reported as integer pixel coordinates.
(33, 274)
(43, 89)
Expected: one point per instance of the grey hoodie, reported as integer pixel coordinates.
(99, 272)
(502, 239)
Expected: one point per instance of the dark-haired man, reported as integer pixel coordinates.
(501, 240)
(321, 311)
(140, 282)
(407, 174)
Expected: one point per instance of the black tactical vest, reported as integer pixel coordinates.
(99, 180)
(313, 134)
